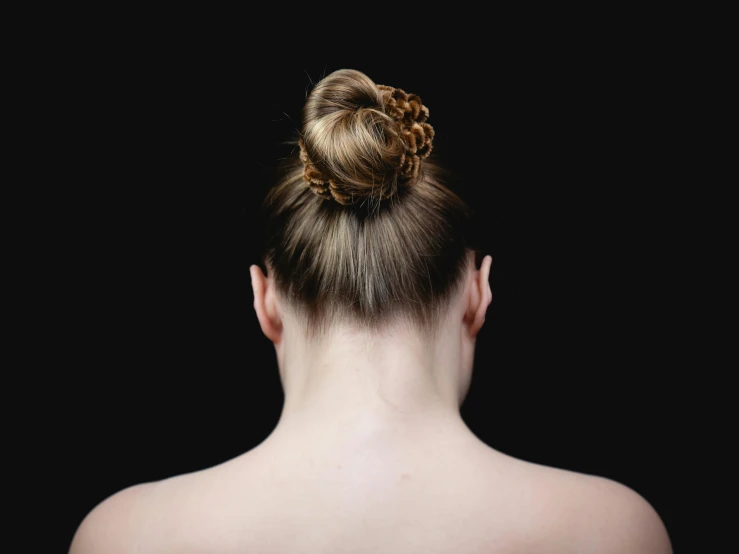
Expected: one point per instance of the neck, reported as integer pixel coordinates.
(353, 384)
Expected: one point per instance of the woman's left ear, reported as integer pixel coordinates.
(479, 298)
(265, 304)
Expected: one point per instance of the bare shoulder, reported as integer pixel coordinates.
(623, 520)
(114, 525)
(578, 511)
(171, 514)
(603, 515)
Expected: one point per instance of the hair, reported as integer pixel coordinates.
(360, 227)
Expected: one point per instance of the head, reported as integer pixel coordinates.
(363, 234)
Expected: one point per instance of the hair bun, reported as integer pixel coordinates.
(417, 135)
(361, 140)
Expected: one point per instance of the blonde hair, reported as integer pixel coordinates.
(362, 228)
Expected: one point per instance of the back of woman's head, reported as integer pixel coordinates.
(361, 229)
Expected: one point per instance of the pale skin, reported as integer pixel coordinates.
(371, 455)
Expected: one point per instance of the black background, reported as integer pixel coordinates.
(166, 153)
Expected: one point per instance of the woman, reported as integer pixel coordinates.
(373, 299)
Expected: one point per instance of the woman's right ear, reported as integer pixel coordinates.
(265, 304)
(479, 298)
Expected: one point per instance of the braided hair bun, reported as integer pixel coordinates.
(361, 140)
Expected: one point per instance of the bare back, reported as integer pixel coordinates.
(454, 494)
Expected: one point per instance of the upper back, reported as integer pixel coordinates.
(460, 497)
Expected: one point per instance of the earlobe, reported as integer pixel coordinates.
(265, 304)
(480, 298)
